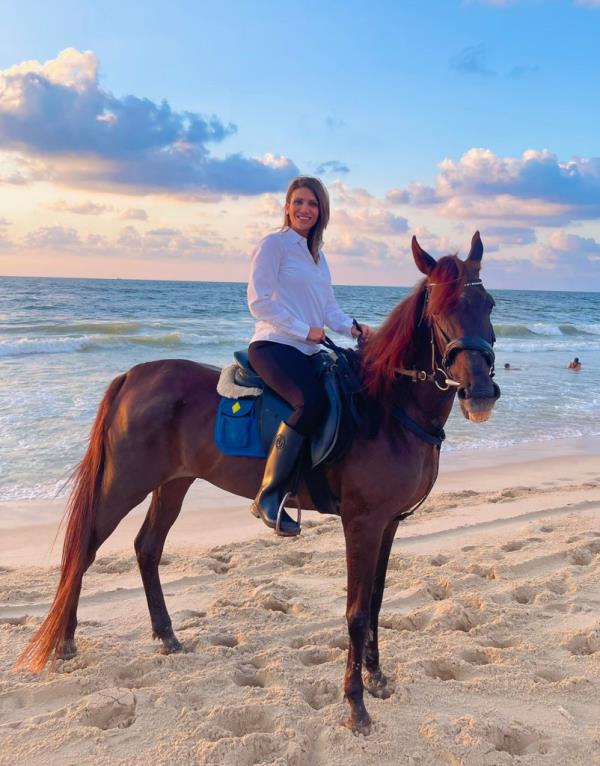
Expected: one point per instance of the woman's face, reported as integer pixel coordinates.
(303, 210)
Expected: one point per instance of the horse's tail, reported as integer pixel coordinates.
(79, 516)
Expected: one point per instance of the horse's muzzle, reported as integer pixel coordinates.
(476, 404)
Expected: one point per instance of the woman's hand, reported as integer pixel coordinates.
(316, 334)
(366, 331)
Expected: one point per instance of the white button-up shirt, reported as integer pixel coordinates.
(288, 293)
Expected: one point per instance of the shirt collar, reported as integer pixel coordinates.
(293, 236)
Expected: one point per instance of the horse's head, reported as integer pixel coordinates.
(457, 308)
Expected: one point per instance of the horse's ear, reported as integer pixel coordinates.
(476, 249)
(425, 262)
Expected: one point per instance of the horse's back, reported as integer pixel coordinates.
(157, 392)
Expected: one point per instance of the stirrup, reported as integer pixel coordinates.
(280, 512)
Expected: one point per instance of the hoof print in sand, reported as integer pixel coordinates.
(584, 643)
(581, 557)
(513, 545)
(112, 708)
(296, 558)
(444, 670)
(273, 599)
(468, 740)
(223, 639)
(477, 656)
(525, 594)
(315, 656)
(321, 693)
(188, 619)
(439, 590)
(516, 739)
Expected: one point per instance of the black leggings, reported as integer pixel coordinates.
(290, 374)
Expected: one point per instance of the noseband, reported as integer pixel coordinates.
(452, 349)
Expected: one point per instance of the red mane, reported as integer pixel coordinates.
(392, 346)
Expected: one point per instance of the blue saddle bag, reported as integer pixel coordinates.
(236, 427)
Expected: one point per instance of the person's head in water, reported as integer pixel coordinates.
(576, 360)
(507, 366)
(575, 364)
(307, 211)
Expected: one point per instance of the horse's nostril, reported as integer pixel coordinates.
(463, 393)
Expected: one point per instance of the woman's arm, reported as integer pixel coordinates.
(335, 318)
(262, 283)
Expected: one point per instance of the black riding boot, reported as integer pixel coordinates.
(281, 461)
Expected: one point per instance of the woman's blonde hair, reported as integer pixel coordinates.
(315, 236)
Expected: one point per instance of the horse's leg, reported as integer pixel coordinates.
(111, 510)
(375, 681)
(164, 510)
(363, 540)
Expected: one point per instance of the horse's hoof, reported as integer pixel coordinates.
(67, 650)
(359, 725)
(378, 685)
(170, 645)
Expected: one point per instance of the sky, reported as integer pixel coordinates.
(155, 140)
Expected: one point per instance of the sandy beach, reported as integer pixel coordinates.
(490, 631)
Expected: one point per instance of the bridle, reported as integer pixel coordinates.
(439, 374)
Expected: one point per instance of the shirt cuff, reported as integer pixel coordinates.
(301, 329)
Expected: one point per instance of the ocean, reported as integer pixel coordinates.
(63, 340)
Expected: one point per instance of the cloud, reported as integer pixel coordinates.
(415, 194)
(57, 111)
(346, 195)
(535, 175)
(569, 249)
(134, 214)
(164, 232)
(53, 238)
(588, 3)
(17, 179)
(129, 243)
(5, 243)
(472, 60)
(398, 196)
(80, 208)
(496, 236)
(363, 248)
(536, 188)
(376, 220)
(271, 205)
(332, 166)
(167, 243)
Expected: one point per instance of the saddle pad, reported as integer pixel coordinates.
(228, 386)
(236, 428)
(245, 424)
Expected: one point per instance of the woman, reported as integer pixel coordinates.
(291, 297)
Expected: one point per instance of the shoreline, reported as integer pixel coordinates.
(210, 516)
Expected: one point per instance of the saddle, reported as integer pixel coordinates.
(250, 412)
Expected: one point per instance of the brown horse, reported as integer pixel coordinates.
(154, 434)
